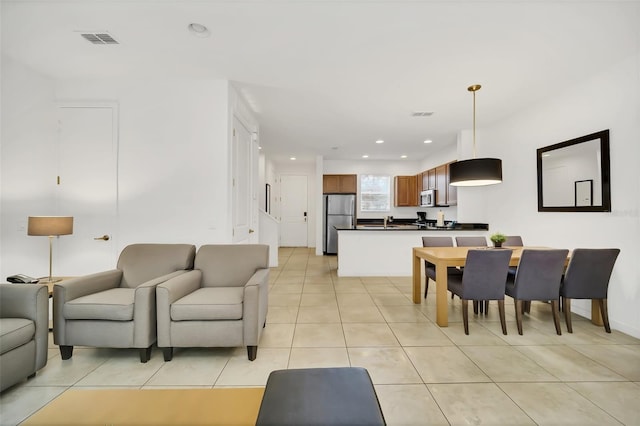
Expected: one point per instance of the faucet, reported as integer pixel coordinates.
(387, 219)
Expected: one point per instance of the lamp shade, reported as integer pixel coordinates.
(475, 172)
(50, 225)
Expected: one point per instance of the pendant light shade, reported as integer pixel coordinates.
(477, 171)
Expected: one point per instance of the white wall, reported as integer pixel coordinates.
(610, 100)
(173, 160)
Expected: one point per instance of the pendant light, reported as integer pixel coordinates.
(477, 171)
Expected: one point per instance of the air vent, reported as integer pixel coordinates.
(99, 38)
(422, 113)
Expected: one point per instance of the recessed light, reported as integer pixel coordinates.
(259, 147)
(379, 141)
(428, 141)
(199, 30)
(292, 158)
(403, 156)
(365, 156)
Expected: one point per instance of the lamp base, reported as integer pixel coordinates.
(49, 280)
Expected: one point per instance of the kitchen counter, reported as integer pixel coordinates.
(371, 250)
(412, 227)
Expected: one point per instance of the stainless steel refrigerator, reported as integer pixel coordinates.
(340, 211)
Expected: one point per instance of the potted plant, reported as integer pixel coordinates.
(497, 239)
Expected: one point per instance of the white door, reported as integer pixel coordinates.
(87, 187)
(244, 185)
(293, 211)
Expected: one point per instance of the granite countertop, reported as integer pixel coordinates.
(412, 225)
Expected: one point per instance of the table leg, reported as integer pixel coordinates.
(596, 316)
(417, 279)
(442, 304)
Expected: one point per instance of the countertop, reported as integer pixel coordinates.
(404, 226)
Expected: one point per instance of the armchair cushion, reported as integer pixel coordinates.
(209, 303)
(115, 304)
(15, 332)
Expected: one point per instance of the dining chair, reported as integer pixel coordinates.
(430, 268)
(473, 242)
(484, 278)
(538, 278)
(513, 241)
(587, 277)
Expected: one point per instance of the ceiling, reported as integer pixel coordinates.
(330, 77)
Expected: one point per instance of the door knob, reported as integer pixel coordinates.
(105, 237)
(251, 231)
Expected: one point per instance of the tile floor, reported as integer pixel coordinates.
(423, 374)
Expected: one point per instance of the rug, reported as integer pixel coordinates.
(228, 406)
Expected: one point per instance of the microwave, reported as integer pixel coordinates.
(428, 198)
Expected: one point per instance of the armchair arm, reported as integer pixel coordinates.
(88, 284)
(144, 310)
(254, 306)
(167, 293)
(30, 301)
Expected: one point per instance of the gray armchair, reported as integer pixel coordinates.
(117, 308)
(24, 328)
(221, 303)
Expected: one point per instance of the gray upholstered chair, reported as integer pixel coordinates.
(538, 278)
(587, 277)
(430, 268)
(513, 241)
(471, 241)
(117, 308)
(24, 330)
(221, 303)
(484, 278)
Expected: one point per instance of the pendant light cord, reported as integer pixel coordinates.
(474, 89)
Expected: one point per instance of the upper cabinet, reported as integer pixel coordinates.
(438, 179)
(406, 191)
(340, 184)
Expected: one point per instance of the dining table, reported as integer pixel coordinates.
(444, 257)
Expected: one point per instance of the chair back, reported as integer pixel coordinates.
(140, 263)
(539, 274)
(513, 241)
(230, 265)
(437, 242)
(471, 241)
(588, 273)
(485, 274)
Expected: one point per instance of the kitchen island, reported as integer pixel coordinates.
(371, 250)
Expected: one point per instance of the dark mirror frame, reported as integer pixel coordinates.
(605, 172)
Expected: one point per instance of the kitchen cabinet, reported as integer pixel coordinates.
(431, 179)
(438, 179)
(452, 191)
(339, 184)
(406, 193)
(420, 184)
(441, 185)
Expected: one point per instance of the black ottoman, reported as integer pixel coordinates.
(320, 396)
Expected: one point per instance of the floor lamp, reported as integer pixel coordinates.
(50, 226)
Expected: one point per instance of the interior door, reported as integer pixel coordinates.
(87, 187)
(293, 209)
(244, 174)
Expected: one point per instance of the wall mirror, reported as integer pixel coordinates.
(574, 176)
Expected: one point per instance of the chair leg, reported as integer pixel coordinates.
(518, 306)
(426, 286)
(503, 321)
(252, 352)
(556, 316)
(526, 307)
(486, 307)
(66, 351)
(605, 314)
(475, 307)
(145, 354)
(167, 353)
(465, 315)
(566, 304)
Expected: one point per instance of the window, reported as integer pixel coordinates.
(375, 193)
